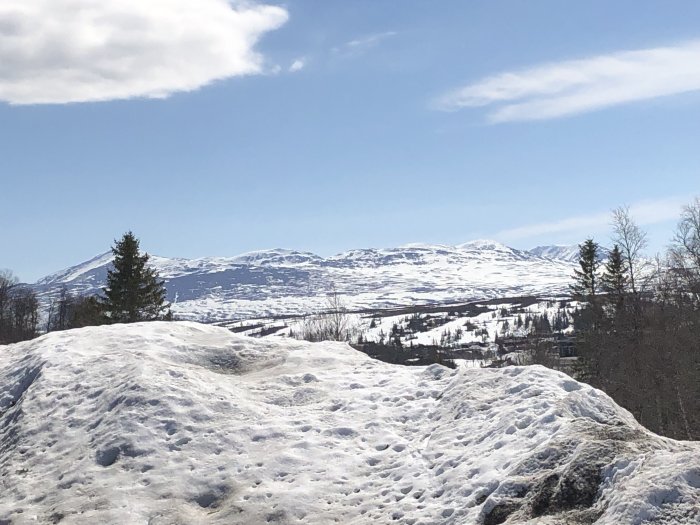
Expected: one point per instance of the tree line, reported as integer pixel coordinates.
(19, 310)
(134, 292)
(638, 329)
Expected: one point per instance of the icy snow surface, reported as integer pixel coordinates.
(180, 423)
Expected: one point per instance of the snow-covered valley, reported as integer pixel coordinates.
(181, 423)
(283, 282)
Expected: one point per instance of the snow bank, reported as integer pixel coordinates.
(180, 423)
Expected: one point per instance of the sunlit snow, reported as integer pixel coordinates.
(284, 282)
(180, 423)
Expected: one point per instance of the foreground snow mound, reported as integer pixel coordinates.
(180, 423)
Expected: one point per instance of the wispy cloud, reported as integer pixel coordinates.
(363, 44)
(60, 51)
(576, 86)
(297, 65)
(645, 213)
(370, 40)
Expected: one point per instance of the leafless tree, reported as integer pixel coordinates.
(25, 313)
(645, 353)
(19, 310)
(685, 250)
(632, 242)
(541, 349)
(60, 310)
(8, 282)
(333, 324)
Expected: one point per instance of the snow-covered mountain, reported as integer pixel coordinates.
(287, 282)
(560, 252)
(181, 423)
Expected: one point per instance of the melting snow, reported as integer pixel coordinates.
(180, 423)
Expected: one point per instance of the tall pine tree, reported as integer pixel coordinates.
(586, 278)
(614, 279)
(134, 291)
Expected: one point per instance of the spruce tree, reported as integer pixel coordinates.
(614, 279)
(134, 291)
(586, 279)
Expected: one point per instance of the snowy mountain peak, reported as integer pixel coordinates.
(485, 245)
(561, 252)
(288, 282)
(425, 246)
(77, 271)
(275, 256)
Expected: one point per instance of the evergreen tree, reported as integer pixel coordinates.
(87, 311)
(134, 292)
(586, 279)
(558, 325)
(505, 328)
(542, 324)
(614, 279)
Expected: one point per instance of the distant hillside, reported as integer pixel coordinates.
(287, 282)
(565, 252)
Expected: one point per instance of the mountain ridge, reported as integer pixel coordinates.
(557, 252)
(290, 282)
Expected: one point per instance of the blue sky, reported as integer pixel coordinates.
(326, 126)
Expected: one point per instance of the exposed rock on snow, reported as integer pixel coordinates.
(168, 423)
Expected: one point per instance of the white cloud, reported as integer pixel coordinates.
(363, 44)
(645, 213)
(297, 65)
(577, 86)
(60, 51)
(370, 40)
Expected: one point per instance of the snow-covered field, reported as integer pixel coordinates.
(181, 423)
(477, 325)
(496, 319)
